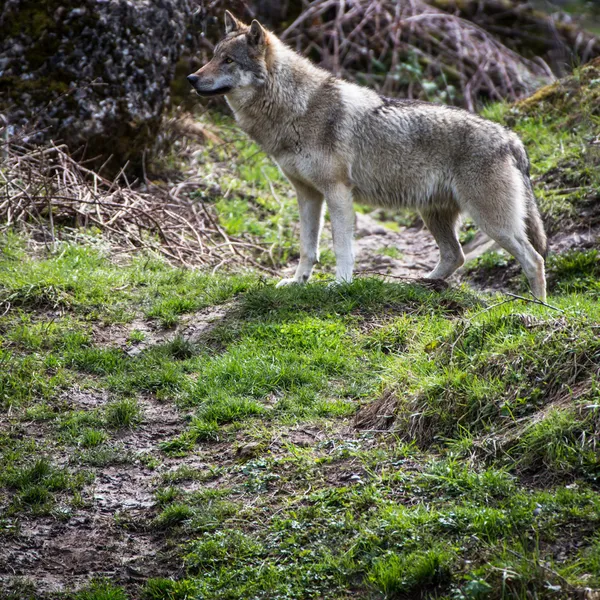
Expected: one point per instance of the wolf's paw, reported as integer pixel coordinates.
(338, 283)
(286, 282)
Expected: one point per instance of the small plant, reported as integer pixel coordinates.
(390, 251)
(214, 550)
(90, 438)
(123, 413)
(397, 575)
(34, 495)
(102, 456)
(101, 589)
(136, 336)
(467, 232)
(167, 589)
(489, 261)
(165, 496)
(174, 514)
(36, 483)
(180, 348)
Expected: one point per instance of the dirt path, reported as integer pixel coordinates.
(414, 251)
(410, 252)
(58, 554)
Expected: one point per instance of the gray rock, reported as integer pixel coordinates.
(94, 74)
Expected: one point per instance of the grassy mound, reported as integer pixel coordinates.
(374, 440)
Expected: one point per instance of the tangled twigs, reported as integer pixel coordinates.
(400, 47)
(46, 187)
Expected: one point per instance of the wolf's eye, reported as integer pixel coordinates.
(229, 60)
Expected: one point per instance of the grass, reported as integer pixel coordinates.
(123, 413)
(35, 486)
(490, 458)
(372, 440)
(101, 590)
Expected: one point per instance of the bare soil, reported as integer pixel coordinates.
(98, 540)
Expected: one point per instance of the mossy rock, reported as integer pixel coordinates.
(577, 95)
(94, 75)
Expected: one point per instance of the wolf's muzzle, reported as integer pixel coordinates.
(194, 79)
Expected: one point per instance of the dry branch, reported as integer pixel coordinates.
(401, 47)
(45, 186)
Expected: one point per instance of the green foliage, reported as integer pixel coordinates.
(36, 484)
(82, 279)
(167, 589)
(123, 413)
(174, 514)
(92, 437)
(490, 261)
(262, 487)
(563, 442)
(399, 576)
(216, 550)
(101, 590)
(575, 271)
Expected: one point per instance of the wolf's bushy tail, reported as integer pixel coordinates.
(533, 222)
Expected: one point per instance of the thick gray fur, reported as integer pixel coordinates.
(337, 142)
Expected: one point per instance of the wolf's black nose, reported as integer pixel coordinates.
(193, 79)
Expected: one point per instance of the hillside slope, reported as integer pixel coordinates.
(169, 433)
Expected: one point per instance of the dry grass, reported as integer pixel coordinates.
(44, 187)
(378, 415)
(404, 48)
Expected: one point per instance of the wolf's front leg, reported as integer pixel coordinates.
(310, 204)
(341, 212)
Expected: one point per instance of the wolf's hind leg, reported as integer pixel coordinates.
(498, 205)
(520, 247)
(442, 223)
(310, 205)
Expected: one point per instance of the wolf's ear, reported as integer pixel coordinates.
(231, 23)
(256, 34)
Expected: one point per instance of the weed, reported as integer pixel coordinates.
(101, 590)
(402, 575)
(37, 483)
(174, 514)
(92, 437)
(167, 589)
(123, 413)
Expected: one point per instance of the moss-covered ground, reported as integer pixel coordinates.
(169, 434)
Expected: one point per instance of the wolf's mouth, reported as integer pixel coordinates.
(218, 92)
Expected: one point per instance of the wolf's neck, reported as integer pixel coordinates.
(273, 107)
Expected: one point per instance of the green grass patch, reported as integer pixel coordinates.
(37, 485)
(484, 471)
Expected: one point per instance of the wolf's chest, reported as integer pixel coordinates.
(313, 169)
(297, 165)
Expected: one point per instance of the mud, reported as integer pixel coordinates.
(191, 327)
(101, 538)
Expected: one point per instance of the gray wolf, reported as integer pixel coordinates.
(337, 142)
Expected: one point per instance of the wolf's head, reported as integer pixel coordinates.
(239, 60)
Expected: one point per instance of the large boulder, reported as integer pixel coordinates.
(93, 74)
